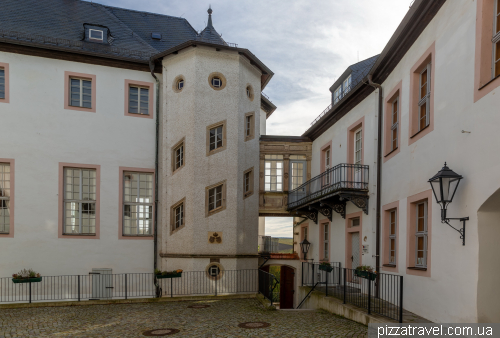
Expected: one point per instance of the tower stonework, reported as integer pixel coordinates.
(188, 115)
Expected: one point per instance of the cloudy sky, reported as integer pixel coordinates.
(307, 44)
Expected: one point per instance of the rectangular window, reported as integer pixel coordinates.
(2, 83)
(215, 198)
(249, 126)
(424, 97)
(179, 157)
(346, 86)
(248, 182)
(355, 222)
(79, 201)
(96, 35)
(325, 241)
(138, 100)
(392, 236)
(5, 193)
(496, 40)
(298, 173)
(395, 124)
(137, 203)
(337, 95)
(358, 146)
(216, 138)
(421, 235)
(273, 180)
(179, 216)
(80, 93)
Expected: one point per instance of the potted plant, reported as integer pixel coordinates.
(168, 274)
(26, 276)
(325, 266)
(366, 271)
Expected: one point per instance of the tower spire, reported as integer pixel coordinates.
(209, 16)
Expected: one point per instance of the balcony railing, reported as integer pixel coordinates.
(268, 244)
(343, 176)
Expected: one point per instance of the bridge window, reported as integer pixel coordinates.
(274, 173)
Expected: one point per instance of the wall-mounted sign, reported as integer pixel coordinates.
(365, 249)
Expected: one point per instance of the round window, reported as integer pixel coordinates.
(249, 92)
(213, 271)
(178, 84)
(217, 81)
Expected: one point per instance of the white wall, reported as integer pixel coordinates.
(38, 133)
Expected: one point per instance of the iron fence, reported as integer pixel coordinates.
(341, 177)
(96, 286)
(267, 285)
(379, 293)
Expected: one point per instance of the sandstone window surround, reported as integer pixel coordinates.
(80, 91)
(249, 126)
(216, 138)
(421, 113)
(177, 216)
(4, 82)
(248, 183)
(390, 231)
(487, 54)
(178, 156)
(79, 200)
(217, 81)
(215, 198)
(419, 234)
(6, 197)
(139, 99)
(392, 123)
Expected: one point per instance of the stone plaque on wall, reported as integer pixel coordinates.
(215, 237)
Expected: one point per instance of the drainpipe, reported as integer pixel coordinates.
(379, 175)
(155, 234)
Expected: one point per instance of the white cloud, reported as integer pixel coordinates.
(279, 226)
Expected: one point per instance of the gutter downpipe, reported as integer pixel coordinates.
(157, 108)
(379, 175)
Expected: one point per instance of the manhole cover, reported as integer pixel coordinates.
(254, 325)
(160, 332)
(199, 306)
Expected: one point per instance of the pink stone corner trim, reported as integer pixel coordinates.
(150, 86)
(424, 195)
(385, 235)
(348, 248)
(120, 202)
(11, 162)
(350, 140)
(395, 92)
(5, 66)
(91, 77)
(97, 168)
(429, 55)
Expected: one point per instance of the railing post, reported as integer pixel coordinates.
(369, 293)
(345, 279)
(400, 299)
(216, 287)
(326, 283)
(302, 272)
(30, 291)
(172, 288)
(79, 288)
(125, 286)
(312, 269)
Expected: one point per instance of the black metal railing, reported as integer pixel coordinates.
(267, 285)
(341, 177)
(96, 286)
(379, 293)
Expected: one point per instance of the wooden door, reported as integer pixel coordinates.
(286, 287)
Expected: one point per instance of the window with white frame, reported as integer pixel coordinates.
(2, 83)
(273, 180)
(392, 236)
(327, 166)
(138, 100)
(298, 172)
(355, 222)
(395, 124)
(215, 198)
(248, 182)
(337, 94)
(79, 201)
(358, 146)
(248, 126)
(496, 40)
(137, 203)
(80, 93)
(216, 140)
(96, 35)
(179, 156)
(325, 241)
(424, 97)
(216, 82)
(421, 236)
(178, 216)
(346, 86)
(5, 192)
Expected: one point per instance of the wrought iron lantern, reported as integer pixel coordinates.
(444, 186)
(304, 247)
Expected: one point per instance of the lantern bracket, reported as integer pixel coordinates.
(460, 231)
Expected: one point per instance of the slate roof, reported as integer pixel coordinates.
(357, 71)
(60, 23)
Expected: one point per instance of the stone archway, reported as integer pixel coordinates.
(488, 297)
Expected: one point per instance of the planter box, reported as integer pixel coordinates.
(170, 275)
(27, 280)
(365, 274)
(326, 268)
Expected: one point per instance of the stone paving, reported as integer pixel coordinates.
(221, 319)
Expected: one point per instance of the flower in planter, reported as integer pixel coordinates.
(325, 264)
(26, 273)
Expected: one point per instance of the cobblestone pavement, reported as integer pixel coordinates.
(221, 319)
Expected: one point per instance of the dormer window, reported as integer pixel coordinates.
(156, 36)
(96, 35)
